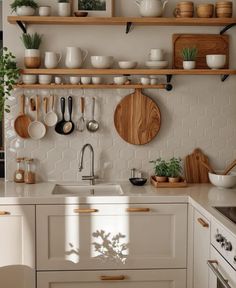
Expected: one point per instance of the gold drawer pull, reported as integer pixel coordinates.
(203, 223)
(85, 210)
(138, 210)
(2, 213)
(113, 278)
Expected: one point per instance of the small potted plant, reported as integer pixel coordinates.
(64, 8)
(160, 170)
(24, 7)
(174, 170)
(32, 53)
(189, 58)
(9, 75)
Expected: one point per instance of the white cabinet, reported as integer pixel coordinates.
(17, 246)
(125, 279)
(150, 236)
(201, 251)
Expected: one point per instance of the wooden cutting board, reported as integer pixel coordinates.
(137, 118)
(205, 43)
(195, 172)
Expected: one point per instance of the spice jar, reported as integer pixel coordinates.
(19, 173)
(29, 174)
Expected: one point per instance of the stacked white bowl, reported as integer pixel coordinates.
(156, 59)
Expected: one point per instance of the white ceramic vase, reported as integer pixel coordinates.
(64, 9)
(189, 65)
(25, 11)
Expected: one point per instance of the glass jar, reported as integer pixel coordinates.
(29, 174)
(20, 172)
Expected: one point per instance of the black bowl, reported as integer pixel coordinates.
(138, 181)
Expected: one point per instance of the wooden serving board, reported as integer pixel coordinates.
(205, 43)
(195, 172)
(137, 118)
(181, 184)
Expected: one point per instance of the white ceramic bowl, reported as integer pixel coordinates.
(120, 80)
(102, 62)
(223, 181)
(96, 80)
(127, 64)
(45, 79)
(156, 64)
(29, 79)
(86, 80)
(216, 61)
(74, 80)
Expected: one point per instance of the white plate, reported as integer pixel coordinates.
(156, 64)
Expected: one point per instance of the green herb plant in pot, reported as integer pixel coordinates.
(174, 170)
(9, 75)
(189, 56)
(32, 53)
(160, 170)
(24, 7)
(64, 8)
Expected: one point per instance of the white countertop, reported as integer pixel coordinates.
(202, 196)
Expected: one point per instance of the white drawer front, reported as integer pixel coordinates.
(111, 237)
(132, 279)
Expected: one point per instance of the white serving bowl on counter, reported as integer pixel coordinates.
(102, 62)
(127, 64)
(156, 64)
(223, 181)
(216, 61)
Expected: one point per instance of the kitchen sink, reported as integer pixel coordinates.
(85, 190)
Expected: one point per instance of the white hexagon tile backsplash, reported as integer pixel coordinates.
(192, 117)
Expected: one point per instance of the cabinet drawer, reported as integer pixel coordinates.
(71, 237)
(131, 279)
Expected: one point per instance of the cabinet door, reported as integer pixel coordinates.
(201, 250)
(17, 246)
(111, 236)
(125, 279)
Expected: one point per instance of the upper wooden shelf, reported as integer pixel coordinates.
(56, 20)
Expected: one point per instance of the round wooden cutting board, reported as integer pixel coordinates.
(137, 118)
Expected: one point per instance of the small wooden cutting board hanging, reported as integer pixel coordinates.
(137, 118)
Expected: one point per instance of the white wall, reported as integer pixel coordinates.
(199, 112)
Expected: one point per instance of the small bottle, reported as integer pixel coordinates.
(20, 172)
(29, 174)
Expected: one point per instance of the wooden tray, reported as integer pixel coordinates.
(205, 43)
(156, 184)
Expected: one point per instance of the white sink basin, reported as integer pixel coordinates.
(83, 190)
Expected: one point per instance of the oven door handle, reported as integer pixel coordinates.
(222, 280)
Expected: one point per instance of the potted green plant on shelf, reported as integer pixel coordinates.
(174, 170)
(32, 43)
(189, 56)
(64, 8)
(9, 75)
(160, 170)
(24, 7)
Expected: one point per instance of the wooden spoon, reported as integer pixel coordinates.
(206, 165)
(229, 168)
(23, 121)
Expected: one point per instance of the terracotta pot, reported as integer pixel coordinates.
(174, 179)
(161, 178)
(32, 58)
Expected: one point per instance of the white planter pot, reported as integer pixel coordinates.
(64, 9)
(25, 11)
(189, 65)
(32, 58)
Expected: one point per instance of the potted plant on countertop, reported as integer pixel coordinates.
(160, 170)
(189, 58)
(32, 53)
(64, 8)
(174, 170)
(24, 7)
(9, 75)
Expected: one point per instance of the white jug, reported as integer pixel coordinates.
(151, 8)
(75, 57)
(52, 59)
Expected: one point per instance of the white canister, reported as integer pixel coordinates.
(64, 9)
(51, 59)
(45, 11)
(156, 54)
(75, 57)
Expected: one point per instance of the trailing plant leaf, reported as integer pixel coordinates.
(20, 3)
(189, 54)
(31, 41)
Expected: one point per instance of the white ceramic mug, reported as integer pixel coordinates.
(120, 80)
(145, 81)
(45, 10)
(45, 79)
(75, 57)
(85, 80)
(96, 80)
(52, 59)
(156, 54)
(58, 80)
(74, 80)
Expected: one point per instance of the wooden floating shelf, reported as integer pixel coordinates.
(56, 20)
(128, 72)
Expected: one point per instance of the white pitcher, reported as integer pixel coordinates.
(75, 57)
(52, 59)
(151, 8)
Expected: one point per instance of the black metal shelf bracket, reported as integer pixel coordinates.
(169, 87)
(128, 27)
(169, 78)
(224, 77)
(22, 26)
(226, 28)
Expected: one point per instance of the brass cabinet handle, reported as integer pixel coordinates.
(138, 210)
(203, 223)
(2, 213)
(112, 278)
(85, 211)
